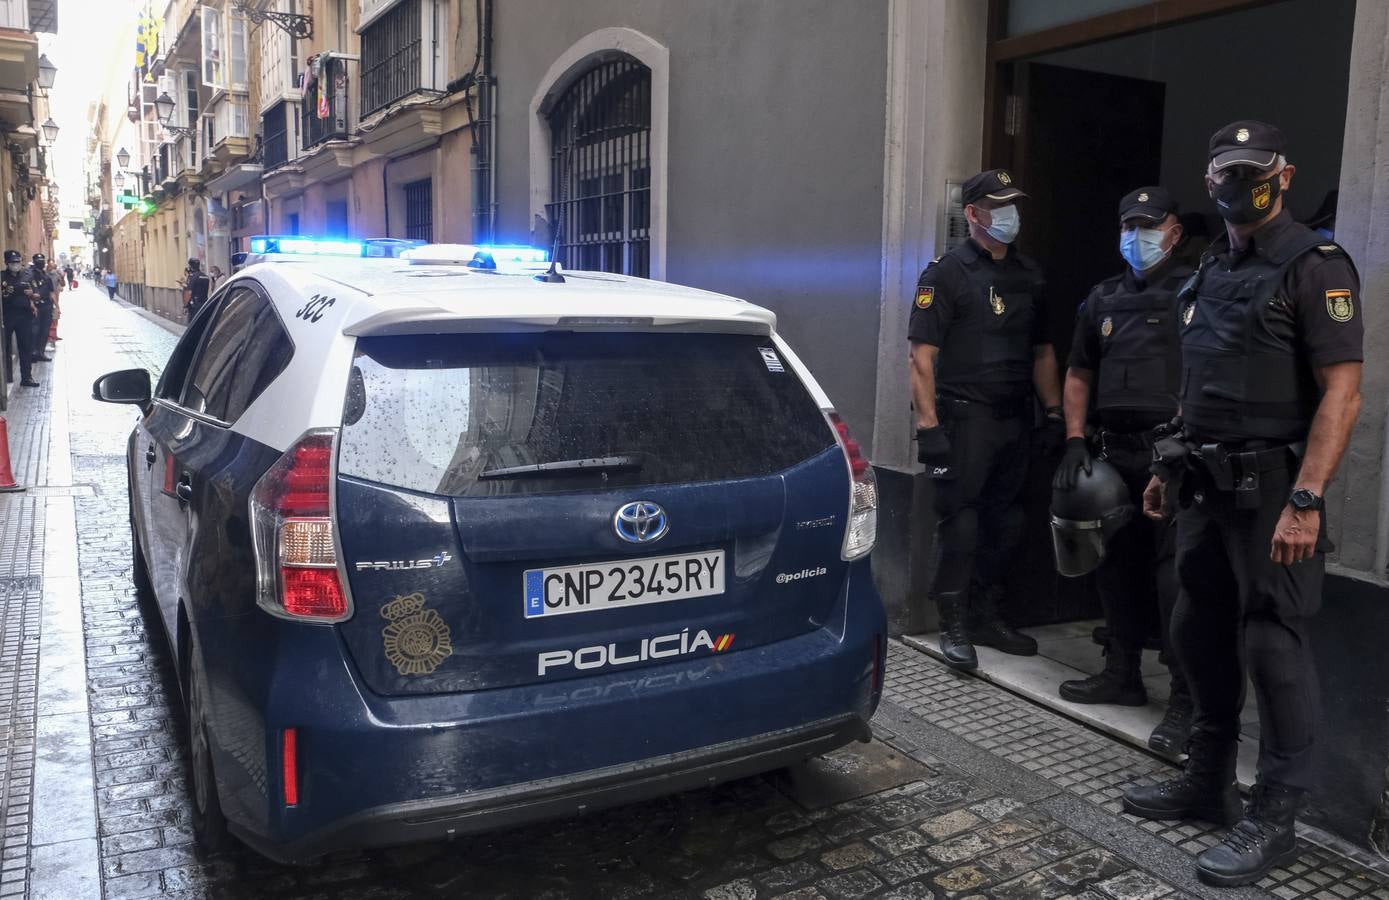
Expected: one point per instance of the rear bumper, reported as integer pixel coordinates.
(505, 807)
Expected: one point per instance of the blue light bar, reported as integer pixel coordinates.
(515, 253)
(388, 247)
(304, 246)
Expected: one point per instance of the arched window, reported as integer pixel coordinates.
(600, 165)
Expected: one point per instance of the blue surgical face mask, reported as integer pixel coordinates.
(1142, 247)
(1005, 224)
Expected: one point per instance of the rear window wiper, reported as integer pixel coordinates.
(567, 467)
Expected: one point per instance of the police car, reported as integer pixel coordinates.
(453, 542)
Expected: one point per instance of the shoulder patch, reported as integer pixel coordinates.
(925, 296)
(1329, 249)
(1339, 305)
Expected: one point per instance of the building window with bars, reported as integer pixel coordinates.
(600, 183)
(391, 56)
(275, 130)
(419, 210)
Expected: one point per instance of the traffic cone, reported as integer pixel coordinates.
(53, 328)
(7, 482)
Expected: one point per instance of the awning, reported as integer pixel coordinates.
(235, 178)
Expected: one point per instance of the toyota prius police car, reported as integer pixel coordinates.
(453, 541)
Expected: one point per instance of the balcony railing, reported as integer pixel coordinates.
(391, 62)
(274, 128)
(326, 95)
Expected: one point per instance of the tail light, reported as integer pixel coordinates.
(862, 532)
(291, 521)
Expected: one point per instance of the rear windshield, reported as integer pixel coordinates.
(495, 414)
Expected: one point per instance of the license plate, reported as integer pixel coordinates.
(622, 583)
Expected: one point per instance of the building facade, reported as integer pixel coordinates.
(326, 117)
(29, 219)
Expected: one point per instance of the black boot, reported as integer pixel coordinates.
(1205, 789)
(954, 638)
(987, 628)
(1172, 732)
(1264, 838)
(1120, 682)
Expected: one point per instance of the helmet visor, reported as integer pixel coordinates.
(1078, 546)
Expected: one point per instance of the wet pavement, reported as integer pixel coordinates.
(967, 791)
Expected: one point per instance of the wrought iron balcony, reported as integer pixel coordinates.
(323, 113)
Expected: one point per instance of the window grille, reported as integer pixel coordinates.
(600, 183)
(419, 210)
(391, 65)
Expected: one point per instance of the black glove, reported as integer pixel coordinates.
(1077, 457)
(933, 451)
(1051, 435)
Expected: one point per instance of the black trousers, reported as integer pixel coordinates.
(1137, 581)
(19, 334)
(979, 514)
(1239, 613)
(42, 325)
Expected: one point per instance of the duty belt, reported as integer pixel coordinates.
(1238, 470)
(951, 407)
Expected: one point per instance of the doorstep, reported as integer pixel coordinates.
(1065, 651)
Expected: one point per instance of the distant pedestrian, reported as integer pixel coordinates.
(196, 287)
(17, 298)
(216, 275)
(44, 298)
(110, 281)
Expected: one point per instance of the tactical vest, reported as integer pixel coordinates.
(1140, 349)
(1243, 377)
(12, 287)
(990, 337)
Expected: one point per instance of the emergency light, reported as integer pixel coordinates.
(482, 256)
(270, 244)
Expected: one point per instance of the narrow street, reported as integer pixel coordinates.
(967, 791)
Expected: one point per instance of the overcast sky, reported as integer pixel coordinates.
(91, 34)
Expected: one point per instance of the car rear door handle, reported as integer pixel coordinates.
(149, 455)
(184, 489)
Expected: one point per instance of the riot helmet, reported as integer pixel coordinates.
(1085, 518)
(38, 260)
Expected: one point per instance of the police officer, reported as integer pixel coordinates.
(44, 291)
(1126, 358)
(196, 285)
(17, 299)
(979, 349)
(1272, 346)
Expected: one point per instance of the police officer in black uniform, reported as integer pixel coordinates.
(44, 290)
(979, 348)
(1126, 358)
(197, 284)
(1272, 339)
(17, 301)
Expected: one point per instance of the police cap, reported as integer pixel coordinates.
(995, 184)
(1246, 143)
(1152, 203)
(12, 256)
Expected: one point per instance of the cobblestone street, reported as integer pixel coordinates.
(967, 791)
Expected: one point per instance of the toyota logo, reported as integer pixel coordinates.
(640, 522)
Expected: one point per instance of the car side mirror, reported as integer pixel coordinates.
(125, 386)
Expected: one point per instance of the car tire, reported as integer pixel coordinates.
(209, 825)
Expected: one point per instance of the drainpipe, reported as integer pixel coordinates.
(485, 190)
(1382, 530)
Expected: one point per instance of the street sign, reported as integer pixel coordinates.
(127, 200)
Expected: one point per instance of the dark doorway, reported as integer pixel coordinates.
(1081, 140)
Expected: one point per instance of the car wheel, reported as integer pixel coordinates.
(209, 825)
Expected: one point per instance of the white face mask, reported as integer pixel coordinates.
(1006, 224)
(13, 267)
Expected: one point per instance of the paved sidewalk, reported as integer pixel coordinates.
(968, 791)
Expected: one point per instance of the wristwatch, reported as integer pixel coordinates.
(1303, 500)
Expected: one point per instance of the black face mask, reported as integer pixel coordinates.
(1241, 201)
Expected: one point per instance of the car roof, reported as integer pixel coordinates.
(394, 296)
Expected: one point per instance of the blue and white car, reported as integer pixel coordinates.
(444, 544)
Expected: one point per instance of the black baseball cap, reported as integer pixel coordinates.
(994, 184)
(1246, 143)
(1153, 203)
